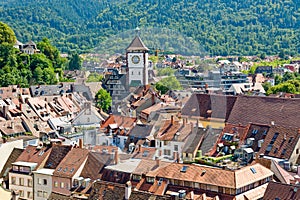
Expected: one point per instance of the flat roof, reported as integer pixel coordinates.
(27, 164)
(127, 166)
(45, 171)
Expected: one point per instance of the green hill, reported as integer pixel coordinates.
(213, 27)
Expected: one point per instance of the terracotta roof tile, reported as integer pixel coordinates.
(209, 106)
(35, 155)
(281, 191)
(213, 176)
(71, 163)
(58, 152)
(265, 110)
(280, 142)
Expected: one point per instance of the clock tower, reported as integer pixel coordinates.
(137, 62)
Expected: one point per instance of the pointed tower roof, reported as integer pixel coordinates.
(137, 44)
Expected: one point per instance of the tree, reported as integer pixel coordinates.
(75, 62)
(168, 83)
(51, 52)
(282, 87)
(7, 35)
(103, 100)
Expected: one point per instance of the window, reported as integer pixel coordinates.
(62, 185)
(297, 151)
(29, 195)
(45, 194)
(45, 181)
(167, 152)
(274, 138)
(21, 181)
(136, 177)
(150, 179)
(175, 147)
(29, 183)
(291, 139)
(15, 168)
(39, 181)
(13, 180)
(132, 73)
(21, 192)
(283, 152)
(40, 193)
(139, 73)
(55, 184)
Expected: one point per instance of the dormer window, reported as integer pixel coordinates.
(150, 179)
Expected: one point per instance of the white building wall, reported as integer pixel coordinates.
(40, 186)
(136, 71)
(17, 186)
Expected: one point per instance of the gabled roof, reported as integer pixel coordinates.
(258, 132)
(281, 191)
(171, 128)
(57, 154)
(71, 163)
(214, 176)
(34, 154)
(95, 163)
(265, 110)
(11, 159)
(140, 131)
(280, 142)
(136, 45)
(208, 106)
(194, 140)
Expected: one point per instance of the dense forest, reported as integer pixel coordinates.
(213, 27)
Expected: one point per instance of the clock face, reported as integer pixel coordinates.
(135, 59)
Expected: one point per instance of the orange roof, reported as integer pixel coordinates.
(214, 176)
(119, 121)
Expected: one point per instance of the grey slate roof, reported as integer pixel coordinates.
(137, 44)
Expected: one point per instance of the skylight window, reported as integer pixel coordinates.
(184, 168)
(66, 169)
(72, 170)
(145, 153)
(283, 152)
(253, 170)
(59, 169)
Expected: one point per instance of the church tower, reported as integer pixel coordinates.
(137, 62)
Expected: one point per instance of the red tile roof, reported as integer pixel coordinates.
(281, 191)
(280, 142)
(265, 110)
(71, 163)
(35, 155)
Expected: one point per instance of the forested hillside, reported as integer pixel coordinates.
(221, 27)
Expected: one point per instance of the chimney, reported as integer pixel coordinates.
(116, 157)
(192, 125)
(127, 190)
(197, 123)
(153, 99)
(157, 160)
(12, 125)
(139, 148)
(183, 120)
(80, 143)
(172, 119)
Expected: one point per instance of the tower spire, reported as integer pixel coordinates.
(137, 31)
